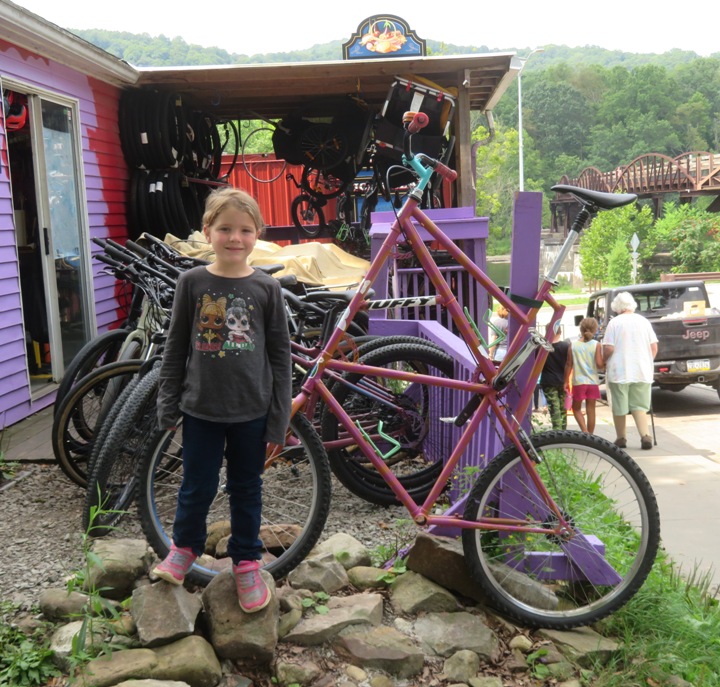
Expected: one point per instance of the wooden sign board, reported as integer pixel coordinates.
(383, 35)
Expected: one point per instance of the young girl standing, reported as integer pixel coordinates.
(226, 371)
(585, 360)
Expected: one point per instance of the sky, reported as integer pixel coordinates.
(251, 28)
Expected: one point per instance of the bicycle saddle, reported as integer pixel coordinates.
(605, 201)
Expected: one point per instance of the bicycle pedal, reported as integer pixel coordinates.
(448, 420)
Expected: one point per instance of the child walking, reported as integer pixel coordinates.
(553, 379)
(226, 371)
(584, 363)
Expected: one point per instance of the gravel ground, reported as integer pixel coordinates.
(41, 530)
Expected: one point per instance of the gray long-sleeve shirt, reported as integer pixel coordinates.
(227, 355)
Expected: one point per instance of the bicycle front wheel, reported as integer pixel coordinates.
(563, 579)
(295, 501)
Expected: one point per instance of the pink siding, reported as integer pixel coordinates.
(106, 182)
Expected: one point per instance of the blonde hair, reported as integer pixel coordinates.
(223, 198)
(588, 328)
(502, 311)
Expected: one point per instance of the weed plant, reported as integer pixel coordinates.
(25, 658)
(7, 470)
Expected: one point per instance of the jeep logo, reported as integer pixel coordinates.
(696, 334)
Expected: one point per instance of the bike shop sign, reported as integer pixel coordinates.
(383, 35)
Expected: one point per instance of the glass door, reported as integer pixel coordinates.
(62, 229)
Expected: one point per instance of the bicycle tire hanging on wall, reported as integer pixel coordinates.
(176, 156)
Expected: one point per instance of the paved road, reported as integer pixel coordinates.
(684, 470)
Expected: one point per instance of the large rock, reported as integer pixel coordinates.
(442, 560)
(164, 613)
(234, 633)
(359, 609)
(346, 549)
(445, 633)
(60, 605)
(583, 645)
(382, 648)
(319, 574)
(413, 593)
(122, 562)
(107, 671)
(191, 659)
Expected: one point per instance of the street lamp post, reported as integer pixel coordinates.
(521, 166)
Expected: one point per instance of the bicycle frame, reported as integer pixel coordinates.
(488, 384)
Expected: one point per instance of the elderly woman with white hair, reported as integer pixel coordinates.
(629, 348)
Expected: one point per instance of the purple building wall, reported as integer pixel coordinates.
(106, 182)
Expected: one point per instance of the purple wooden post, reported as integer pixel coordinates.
(525, 269)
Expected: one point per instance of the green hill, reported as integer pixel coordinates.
(144, 50)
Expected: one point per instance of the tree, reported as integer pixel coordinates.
(691, 235)
(606, 230)
(619, 270)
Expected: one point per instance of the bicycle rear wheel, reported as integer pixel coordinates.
(296, 500)
(101, 350)
(82, 412)
(554, 579)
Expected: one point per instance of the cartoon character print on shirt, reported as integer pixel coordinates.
(210, 321)
(238, 323)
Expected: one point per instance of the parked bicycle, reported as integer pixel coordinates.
(560, 528)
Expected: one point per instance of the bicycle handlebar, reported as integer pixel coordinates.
(415, 121)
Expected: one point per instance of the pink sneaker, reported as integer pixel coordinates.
(253, 593)
(175, 566)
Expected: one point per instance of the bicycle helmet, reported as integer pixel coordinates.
(15, 110)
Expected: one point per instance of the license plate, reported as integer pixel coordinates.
(698, 365)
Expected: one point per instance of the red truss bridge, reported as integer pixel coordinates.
(650, 176)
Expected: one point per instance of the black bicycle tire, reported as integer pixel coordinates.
(143, 202)
(138, 118)
(107, 424)
(64, 445)
(151, 106)
(373, 488)
(165, 125)
(312, 148)
(87, 359)
(247, 166)
(591, 513)
(135, 228)
(296, 496)
(366, 482)
(119, 455)
(236, 153)
(127, 144)
(381, 341)
(180, 226)
(309, 230)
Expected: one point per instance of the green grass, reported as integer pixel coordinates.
(671, 628)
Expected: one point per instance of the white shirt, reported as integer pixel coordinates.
(632, 360)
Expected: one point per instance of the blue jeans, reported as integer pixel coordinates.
(205, 444)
